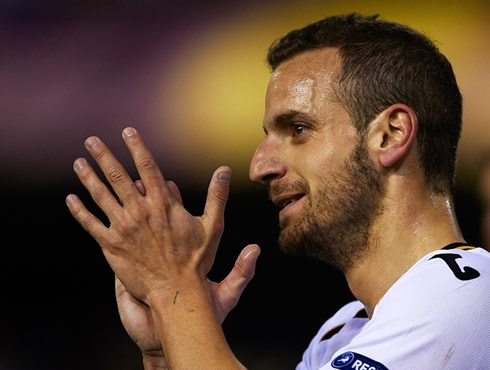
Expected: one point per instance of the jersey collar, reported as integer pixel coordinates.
(458, 245)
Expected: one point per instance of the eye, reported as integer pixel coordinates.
(298, 128)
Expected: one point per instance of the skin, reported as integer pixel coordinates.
(161, 256)
(137, 317)
(304, 121)
(156, 248)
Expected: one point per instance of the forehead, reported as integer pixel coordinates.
(304, 82)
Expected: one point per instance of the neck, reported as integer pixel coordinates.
(413, 226)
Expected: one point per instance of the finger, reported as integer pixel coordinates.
(86, 219)
(172, 186)
(102, 196)
(217, 197)
(232, 287)
(145, 164)
(120, 288)
(122, 291)
(244, 269)
(140, 186)
(113, 171)
(174, 189)
(123, 294)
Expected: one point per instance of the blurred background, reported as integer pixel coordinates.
(191, 77)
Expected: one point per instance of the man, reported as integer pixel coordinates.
(362, 122)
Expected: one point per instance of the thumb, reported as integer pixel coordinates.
(244, 269)
(232, 287)
(218, 191)
(120, 288)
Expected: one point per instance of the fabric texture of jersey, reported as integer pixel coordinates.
(435, 316)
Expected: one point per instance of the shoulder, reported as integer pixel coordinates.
(455, 278)
(335, 333)
(445, 293)
(434, 316)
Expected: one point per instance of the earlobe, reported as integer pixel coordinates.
(396, 132)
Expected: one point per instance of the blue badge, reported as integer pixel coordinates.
(356, 361)
(343, 360)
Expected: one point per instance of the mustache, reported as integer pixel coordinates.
(277, 188)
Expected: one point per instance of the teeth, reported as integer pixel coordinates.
(287, 202)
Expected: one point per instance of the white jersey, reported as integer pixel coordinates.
(436, 316)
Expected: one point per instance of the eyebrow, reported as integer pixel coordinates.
(286, 117)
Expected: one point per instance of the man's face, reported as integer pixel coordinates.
(315, 164)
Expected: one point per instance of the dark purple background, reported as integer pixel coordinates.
(57, 303)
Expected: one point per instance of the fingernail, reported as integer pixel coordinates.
(91, 141)
(129, 131)
(79, 164)
(224, 177)
(249, 253)
(70, 200)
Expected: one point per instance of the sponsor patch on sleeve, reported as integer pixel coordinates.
(356, 361)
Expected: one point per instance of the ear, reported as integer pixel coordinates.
(393, 133)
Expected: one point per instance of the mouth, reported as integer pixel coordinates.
(285, 201)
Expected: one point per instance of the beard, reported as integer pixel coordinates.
(335, 226)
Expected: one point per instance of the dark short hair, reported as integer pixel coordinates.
(384, 63)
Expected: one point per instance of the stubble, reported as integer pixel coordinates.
(336, 223)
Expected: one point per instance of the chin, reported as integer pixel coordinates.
(289, 240)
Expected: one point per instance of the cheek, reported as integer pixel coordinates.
(323, 156)
(323, 162)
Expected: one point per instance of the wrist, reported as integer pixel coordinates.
(188, 290)
(189, 329)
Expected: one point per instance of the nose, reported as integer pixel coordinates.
(266, 164)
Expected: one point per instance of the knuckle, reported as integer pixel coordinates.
(84, 174)
(115, 174)
(98, 194)
(110, 242)
(241, 272)
(146, 162)
(98, 154)
(161, 201)
(87, 222)
(129, 229)
(218, 227)
(220, 196)
(127, 226)
(139, 213)
(113, 243)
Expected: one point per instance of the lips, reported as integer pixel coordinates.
(286, 200)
